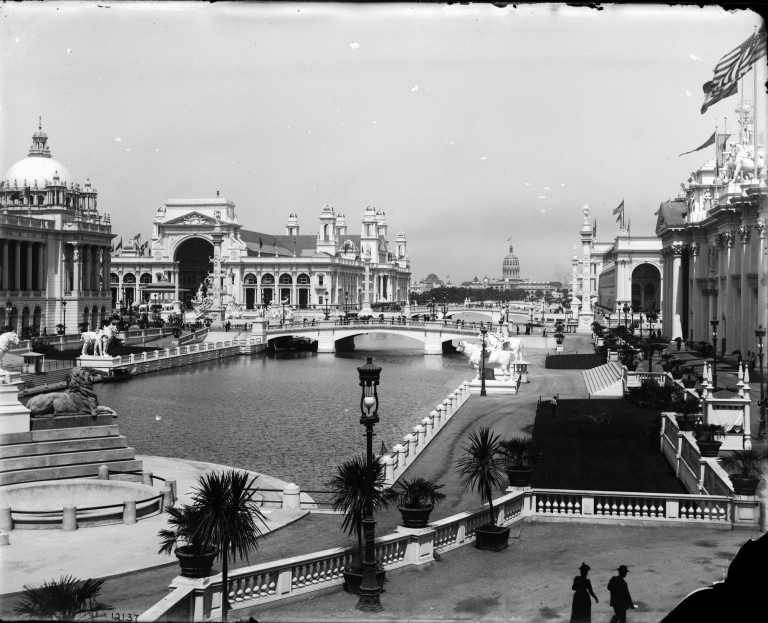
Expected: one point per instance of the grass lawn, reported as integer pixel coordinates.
(600, 445)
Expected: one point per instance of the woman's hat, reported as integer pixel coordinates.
(623, 568)
(584, 566)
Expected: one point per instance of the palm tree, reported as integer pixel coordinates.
(223, 517)
(67, 599)
(349, 494)
(482, 466)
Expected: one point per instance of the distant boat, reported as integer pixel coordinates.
(119, 374)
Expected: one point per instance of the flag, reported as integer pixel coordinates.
(619, 210)
(722, 141)
(732, 67)
(707, 143)
(594, 228)
(144, 247)
(714, 96)
(137, 237)
(119, 245)
(260, 243)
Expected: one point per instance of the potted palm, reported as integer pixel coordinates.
(416, 499)
(708, 439)
(743, 467)
(482, 468)
(221, 523)
(518, 455)
(687, 410)
(67, 599)
(349, 495)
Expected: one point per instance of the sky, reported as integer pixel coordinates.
(473, 127)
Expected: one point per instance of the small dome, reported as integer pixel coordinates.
(511, 266)
(41, 170)
(327, 209)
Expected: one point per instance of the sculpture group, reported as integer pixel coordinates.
(98, 341)
(500, 351)
(7, 340)
(79, 398)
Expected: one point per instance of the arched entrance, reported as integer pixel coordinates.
(193, 256)
(646, 288)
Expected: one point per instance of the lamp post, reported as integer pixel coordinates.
(346, 302)
(445, 309)
(714, 324)
(369, 416)
(641, 325)
(482, 368)
(282, 302)
(8, 315)
(64, 316)
(626, 311)
(763, 430)
(649, 356)
(327, 315)
(608, 319)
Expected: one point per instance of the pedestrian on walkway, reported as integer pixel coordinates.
(678, 341)
(517, 329)
(581, 611)
(553, 405)
(620, 598)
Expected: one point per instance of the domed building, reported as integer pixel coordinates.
(510, 270)
(54, 246)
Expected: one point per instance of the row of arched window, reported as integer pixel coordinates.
(29, 322)
(284, 280)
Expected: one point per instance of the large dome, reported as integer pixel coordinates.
(511, 267)
(35, 168)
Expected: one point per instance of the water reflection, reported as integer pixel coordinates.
(290, 415)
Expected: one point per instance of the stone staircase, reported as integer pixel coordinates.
(604, 381)
(56, 453)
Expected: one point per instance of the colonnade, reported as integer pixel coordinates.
(23, 265)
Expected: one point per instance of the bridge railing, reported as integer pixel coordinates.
(313, 325)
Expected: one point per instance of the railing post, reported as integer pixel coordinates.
(672, 508)
(6, 519)
(435, 420)
(69, 518)
(429, 426)
(167, 497)
(129, 512)
(398, 454)
(410, 448)
(389, 468)
(103, 472)
(421, 434)
(448, 410)
(284, 581)
(146, 478)
(172, 485)
(587, 505)
(291, 497)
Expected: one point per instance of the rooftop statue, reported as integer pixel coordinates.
(79, 398)
(585, 212)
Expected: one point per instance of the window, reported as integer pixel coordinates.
(320, 280)
(268, 280)
(286, 279)
(303, 279)
(250, 279)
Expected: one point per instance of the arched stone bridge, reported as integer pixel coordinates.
(327, 333)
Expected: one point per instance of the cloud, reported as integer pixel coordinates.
(354, 45)
(546, 187)
(483, 157)
(542, 196)
(69, 50)
(688, 93)
(542, 210)
(527, 183)
(118, 139)
(415, 88)
(693, 57)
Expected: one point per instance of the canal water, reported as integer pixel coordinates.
(291, 415)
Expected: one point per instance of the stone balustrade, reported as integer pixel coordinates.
(322, 572)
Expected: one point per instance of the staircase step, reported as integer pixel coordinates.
(68, 471)
(58, 434)
(67, 458)
(63, 446)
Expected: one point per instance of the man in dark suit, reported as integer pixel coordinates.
(620, 597)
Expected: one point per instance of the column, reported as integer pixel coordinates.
(28, 277)
(762, 273)
(728, 298)
(693, 290)
(76, 269)
(745, 324)
(41, 268)
(677, 293)
(5, 284)
(17, 268)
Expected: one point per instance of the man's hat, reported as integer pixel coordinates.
(623, 568)
(584, 566)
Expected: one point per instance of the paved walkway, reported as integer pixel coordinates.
(530, 581)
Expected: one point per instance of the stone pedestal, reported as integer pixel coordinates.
(14, 416)
(494, 387)
(585, 323)
(103, 364)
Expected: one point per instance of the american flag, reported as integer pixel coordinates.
(732, 67)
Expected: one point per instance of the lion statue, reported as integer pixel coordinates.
(78, 399)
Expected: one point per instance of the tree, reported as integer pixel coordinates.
(538, 294)
(67, 599)
(482, 466)
(222, 516)
(348, 485)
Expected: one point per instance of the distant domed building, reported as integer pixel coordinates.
(55, 247)
(510, 270)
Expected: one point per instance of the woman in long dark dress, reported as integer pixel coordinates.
(581, 612)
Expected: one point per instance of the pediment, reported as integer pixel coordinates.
(191, 218)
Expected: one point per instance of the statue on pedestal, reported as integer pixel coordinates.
(7, 339)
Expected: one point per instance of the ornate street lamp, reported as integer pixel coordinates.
(641, 325)
(445, 310)
(282, 302)
(482, 367)
(763, 429)
(369, 416)
(608, 319)
(346, 302)
(626, 311)
(714, 324)
(327, 315)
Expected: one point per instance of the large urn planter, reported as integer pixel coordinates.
(709, 449)
(744, 485)
(520, 477)
(415, 517)
(353, 580)
(194, 564)
(492, 538)
(686, 422)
